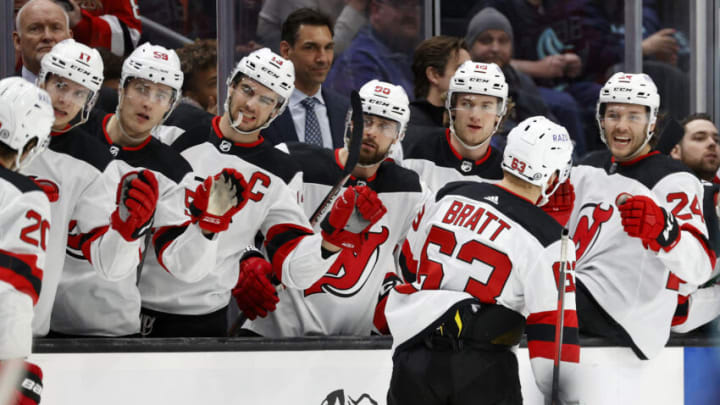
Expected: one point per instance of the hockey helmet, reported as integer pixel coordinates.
(629, 88)
(536, 148)
(272, 71)
(388, 101)
(26, 113)
(479, 78)
(79, 63)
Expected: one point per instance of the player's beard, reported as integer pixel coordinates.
(374, 157)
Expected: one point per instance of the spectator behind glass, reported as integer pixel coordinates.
(381, 49)
(110, 24)
(315, 114)
(39, 25)
(435, 61)
(549, 47)
(490, 39)
(112, 66)
(698, 147)
(199, 64)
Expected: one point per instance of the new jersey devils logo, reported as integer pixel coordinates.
(349, 273)
(588, 227)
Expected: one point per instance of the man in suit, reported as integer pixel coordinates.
(315, 114)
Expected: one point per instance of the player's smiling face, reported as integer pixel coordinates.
(254, 101)
(475, 117)
(143, 106)
(378, 136)
(625, 129)
(68, 99)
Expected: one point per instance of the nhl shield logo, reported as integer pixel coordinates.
(225, 146)
(466, 166)
(114, 150)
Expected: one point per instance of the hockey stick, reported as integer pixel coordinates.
(560, 317)
(352, 159)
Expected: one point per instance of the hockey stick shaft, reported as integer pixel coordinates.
(559, 325)
(353, 156)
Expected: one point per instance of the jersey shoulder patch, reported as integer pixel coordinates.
(82, 146)
(531, 217)
(192, 137)
(317, 164)
(23, 183)
(266, 156)
(393, 178)
(652, 169)
(161, 158)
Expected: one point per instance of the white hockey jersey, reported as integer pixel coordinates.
(343, 301)
(479, 242)
(25, 219)
(272, 209)
(433, 157)
(87, 304)
(631, 283)
(81, 170)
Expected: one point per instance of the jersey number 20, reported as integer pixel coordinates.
(431, 273)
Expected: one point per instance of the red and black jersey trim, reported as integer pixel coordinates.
(163, 237)
(379, 320)
(280, 241)
(83, 242)
(31, 385)
(681, 311)
(540, 331)
(21, 271)
(704, 242)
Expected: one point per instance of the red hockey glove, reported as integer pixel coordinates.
(48, 187)
(351, 216)
(643, 218)
(136, 199)
(560, 203)
(217, 199)
(254, 293)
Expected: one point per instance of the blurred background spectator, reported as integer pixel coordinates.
(199, 64)
(315, 113)
(382, 49)
(109, 24)
(435, 61)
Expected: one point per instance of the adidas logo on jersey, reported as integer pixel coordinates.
(492, 198)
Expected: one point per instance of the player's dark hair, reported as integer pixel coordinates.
(196, 57)
(303, 16)
(433, 52)
(6, 152)
(694, 117)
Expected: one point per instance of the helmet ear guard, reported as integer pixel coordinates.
(536, 149)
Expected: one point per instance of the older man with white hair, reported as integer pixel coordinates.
(39, 25)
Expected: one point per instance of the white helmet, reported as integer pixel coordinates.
(536, 148)
(156, 64)
(629, 88)
(479, 78)
(26, 113)
(269, 69)
(79, 63)
(388, 101)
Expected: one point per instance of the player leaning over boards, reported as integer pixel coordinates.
(78, 176)
(154, 180)
(487, 262)
(345, 300)
(193, 302)
(637, 217)
(476, 103)
(26, 116)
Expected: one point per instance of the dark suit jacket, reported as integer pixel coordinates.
(283, 128)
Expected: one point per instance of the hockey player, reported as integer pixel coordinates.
(150, 85)
(476, 103)
(636, 218)
(25, 120)
(76, 174)
(486, 255)
(193, 302)
(342, 301)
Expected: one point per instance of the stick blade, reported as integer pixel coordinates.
(357, 132)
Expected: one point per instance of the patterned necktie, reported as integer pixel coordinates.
(312, 127)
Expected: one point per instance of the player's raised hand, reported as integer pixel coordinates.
(351, 216)
(561, 202)
(136, 199)
(217, 199)
(643, 218)
(254, 293)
